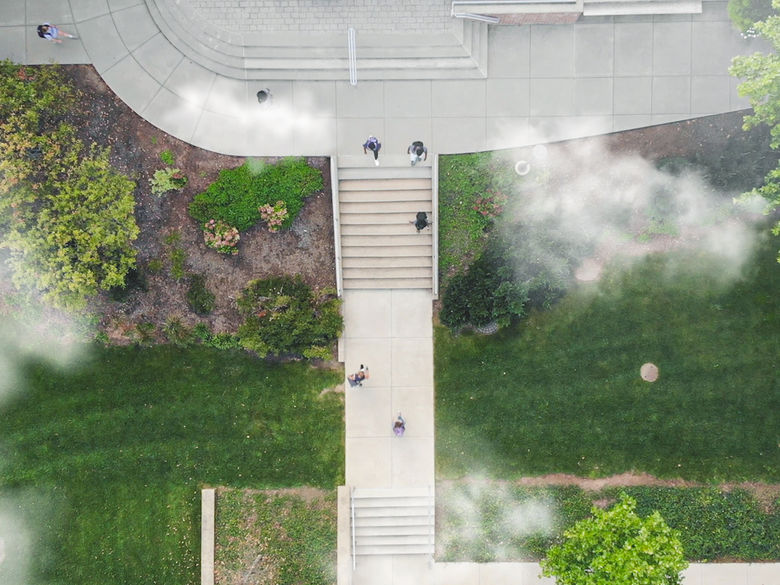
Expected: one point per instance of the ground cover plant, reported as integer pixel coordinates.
(106, 461)
(278, 537)
(239, 196)
(489, 521)
(562, 392)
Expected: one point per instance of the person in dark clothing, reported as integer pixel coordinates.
(373, 145)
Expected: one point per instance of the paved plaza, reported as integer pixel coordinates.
(542, 83)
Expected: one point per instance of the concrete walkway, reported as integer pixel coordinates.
(544, 82)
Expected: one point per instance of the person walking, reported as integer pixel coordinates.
(417, 152)
(373, 145)
(52, 33)
(357, 378)
(399, 426)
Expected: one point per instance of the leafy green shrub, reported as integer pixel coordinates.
(619, 547)
(167, 157)
(155, 265)
(178, 257)
(745, 13)
(221, 237)
(178, 333)
(135, 280)
(144, 333)
(199, 297)
(285, 317)
(168, 179)
(237, 194)
(526, 266)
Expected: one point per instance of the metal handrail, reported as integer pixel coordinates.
(352, 505)
(435, 219)
(334, 189)
(352, 48)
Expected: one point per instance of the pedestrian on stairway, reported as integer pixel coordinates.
(421, 222)
(52, 33)
(417, 152)
(399, 426)
(373, 145)
(357, 378)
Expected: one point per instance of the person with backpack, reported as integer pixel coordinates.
(357, 378)
(421, 222)
(52, 33)
(373, 145)
(417, 152)
(399, 426)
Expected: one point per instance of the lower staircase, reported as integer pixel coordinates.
(380, 246)
(393, 521)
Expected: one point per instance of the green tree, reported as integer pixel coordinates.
(760, 73)
(617, 547)
(745, 13)
(66, 216)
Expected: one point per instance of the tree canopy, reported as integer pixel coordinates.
(760, 75)
(617, 547)
(66, 215)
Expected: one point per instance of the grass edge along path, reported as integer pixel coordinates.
(118, 449)
(561, 392)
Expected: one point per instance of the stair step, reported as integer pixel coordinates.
(379, 284)
(386, 261)
(391, 502)
(411, 522)
(415, 549)
(385, 184)
(364, 168)
(394, 530)
(396, 540)
(382, 251)
(378, 207)
(381, 229)
(350, 195)
(390, 217)
(421, 239)
(388, 272)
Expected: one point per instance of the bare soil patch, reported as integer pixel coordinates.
(306, 248)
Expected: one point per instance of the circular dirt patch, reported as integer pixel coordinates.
(649, 372)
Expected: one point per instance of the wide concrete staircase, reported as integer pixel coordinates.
(393, 521)
(460, 54)
(380, 247)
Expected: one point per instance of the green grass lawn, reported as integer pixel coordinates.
(106, 461)
(561, 392)
(279, 537)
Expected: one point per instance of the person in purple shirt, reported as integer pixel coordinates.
(373, 145)
(399, 426)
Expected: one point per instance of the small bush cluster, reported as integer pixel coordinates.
(285, 317)
(168, 179)
(199, 297)
(221, 236)
(237, 195)
(274, 215)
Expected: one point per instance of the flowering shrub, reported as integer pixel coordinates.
(168, 179)
(490, 205)
(221, 236)
(274, 215)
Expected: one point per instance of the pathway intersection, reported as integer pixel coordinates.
(459, 86)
